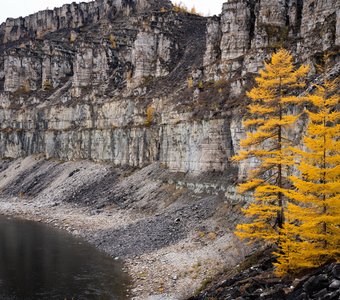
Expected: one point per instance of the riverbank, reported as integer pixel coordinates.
(38, 261)
(172, 238)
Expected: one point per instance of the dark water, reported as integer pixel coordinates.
(39, 262)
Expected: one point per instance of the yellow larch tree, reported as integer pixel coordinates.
(313, 215)
(267, 141)
(193, 10)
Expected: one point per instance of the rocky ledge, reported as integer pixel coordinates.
(256, 282)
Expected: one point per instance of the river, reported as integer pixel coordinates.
(40, 262)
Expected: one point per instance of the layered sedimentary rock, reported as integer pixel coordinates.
(236, 29)
(252, 29)
(77, 82)
(72, 16)
(103, 133)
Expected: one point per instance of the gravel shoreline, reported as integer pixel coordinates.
(171, 240)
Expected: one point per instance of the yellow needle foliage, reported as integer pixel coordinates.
(268, 143)
(313, 224)
(149, 115)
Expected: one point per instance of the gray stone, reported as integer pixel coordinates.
(335, 284)
(336, 271)
(320, 294)
(79, 87)
(235, 25)
(72, 16)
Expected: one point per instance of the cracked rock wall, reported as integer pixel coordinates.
(76, 82)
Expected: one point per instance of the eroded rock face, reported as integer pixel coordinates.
(235, 25)
(102, 133)
(252, 29)
(213, 50)
(22, 71)
(76, 82)
(72, 16)
(68, 16)
(320, 26)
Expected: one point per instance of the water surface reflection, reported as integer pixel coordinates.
(39, 262)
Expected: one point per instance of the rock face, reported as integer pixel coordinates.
(76, 82)
(72, 16)
(251, 29)
(236, 29)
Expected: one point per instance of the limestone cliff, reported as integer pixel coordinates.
(75, 82)
(157, 97)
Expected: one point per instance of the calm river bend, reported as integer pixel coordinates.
(40, 262)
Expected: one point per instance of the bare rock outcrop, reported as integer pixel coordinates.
(76, 82)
